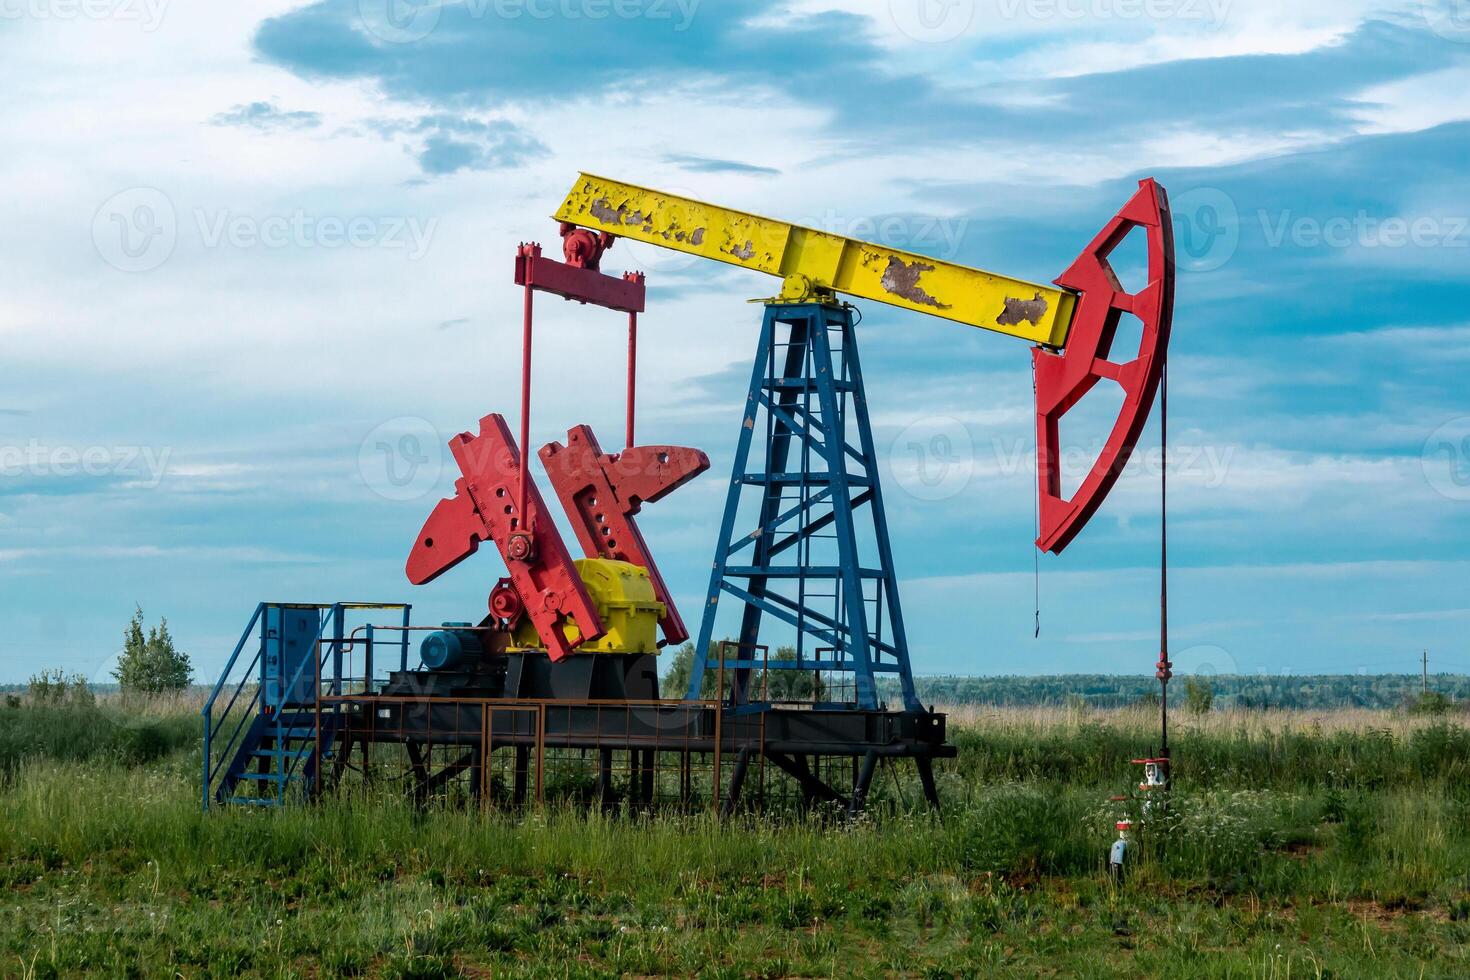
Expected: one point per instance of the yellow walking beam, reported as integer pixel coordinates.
(808, 260)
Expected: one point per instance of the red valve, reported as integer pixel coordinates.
(1062, 379)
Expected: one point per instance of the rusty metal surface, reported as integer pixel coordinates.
(1031, 311)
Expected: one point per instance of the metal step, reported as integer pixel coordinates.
(292, 732)
(302, 752)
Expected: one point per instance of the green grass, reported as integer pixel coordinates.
(1313, 870)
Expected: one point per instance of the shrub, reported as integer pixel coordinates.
(1430, 703)
(53, 688)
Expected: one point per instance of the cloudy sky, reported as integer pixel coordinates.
(255, 269)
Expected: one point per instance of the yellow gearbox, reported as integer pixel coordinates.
(625, 600)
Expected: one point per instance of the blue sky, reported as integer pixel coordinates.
(256, 264)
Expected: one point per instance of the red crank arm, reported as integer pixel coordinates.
(1062, 379)
(603, 492)
(484, 509)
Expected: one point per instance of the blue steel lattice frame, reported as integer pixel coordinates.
(807, 407)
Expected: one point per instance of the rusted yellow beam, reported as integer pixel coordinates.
(808, 260)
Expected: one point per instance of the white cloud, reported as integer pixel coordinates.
(1058, 38)
(1411, 104)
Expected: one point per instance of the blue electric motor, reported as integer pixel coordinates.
(454, 646)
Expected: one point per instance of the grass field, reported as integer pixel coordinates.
(1300, 845)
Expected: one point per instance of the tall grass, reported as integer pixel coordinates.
(1280, 750)
(128, 733)
(1271, 862)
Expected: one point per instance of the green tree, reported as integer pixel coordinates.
(783, 685)
(150, 664)
(1199, 696)
(790, 685)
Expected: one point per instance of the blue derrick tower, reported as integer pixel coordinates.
(804, 537)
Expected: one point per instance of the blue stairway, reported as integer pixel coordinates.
(279, 759)
(268, 737)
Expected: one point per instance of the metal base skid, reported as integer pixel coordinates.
(685, 753)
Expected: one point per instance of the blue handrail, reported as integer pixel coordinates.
(207, 712)
(224, 674)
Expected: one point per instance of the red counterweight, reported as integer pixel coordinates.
(603, 492)
(1062, 379)
(484, 508)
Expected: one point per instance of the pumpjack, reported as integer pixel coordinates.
(562, 665)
